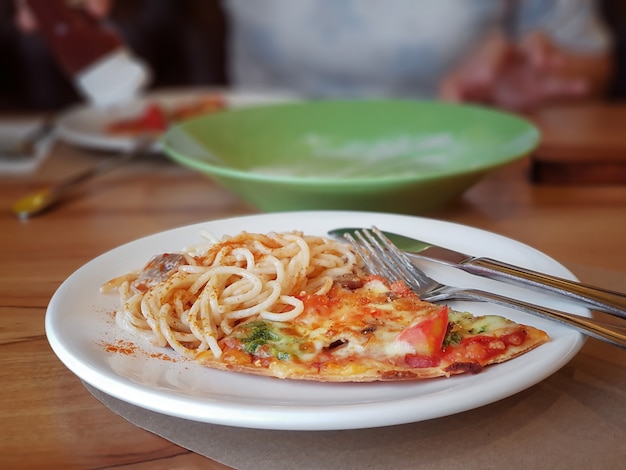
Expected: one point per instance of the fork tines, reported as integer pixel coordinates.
(383, 258)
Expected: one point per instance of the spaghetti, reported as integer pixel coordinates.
(190, 300)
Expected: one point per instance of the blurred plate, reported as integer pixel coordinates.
(85, 125)
(81, 329)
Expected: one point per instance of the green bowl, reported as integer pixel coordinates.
(389, 156)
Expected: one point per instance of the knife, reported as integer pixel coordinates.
(594, 297)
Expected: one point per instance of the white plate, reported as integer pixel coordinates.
(85, 126)
(79, 322)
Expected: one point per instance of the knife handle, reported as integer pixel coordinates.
(595, 297)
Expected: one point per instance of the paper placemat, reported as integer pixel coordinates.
(537, 428)
(394, 447)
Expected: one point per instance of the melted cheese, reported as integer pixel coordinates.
(345, 323)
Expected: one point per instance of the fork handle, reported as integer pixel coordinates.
(607, 332)
(594, 297)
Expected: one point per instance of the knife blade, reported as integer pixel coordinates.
(594, 297)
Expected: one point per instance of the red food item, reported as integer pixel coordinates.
(156, 119)
(427, 335)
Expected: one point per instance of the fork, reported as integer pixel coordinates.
(382, 257)
(43, 199)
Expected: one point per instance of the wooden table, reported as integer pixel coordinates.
(49, 419)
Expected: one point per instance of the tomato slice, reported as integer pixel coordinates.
(427, 336)
(154, 118)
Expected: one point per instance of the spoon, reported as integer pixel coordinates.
(43, 199)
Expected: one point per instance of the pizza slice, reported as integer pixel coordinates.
(367, 330)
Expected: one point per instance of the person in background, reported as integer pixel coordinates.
(510, 54)
(28, 23)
